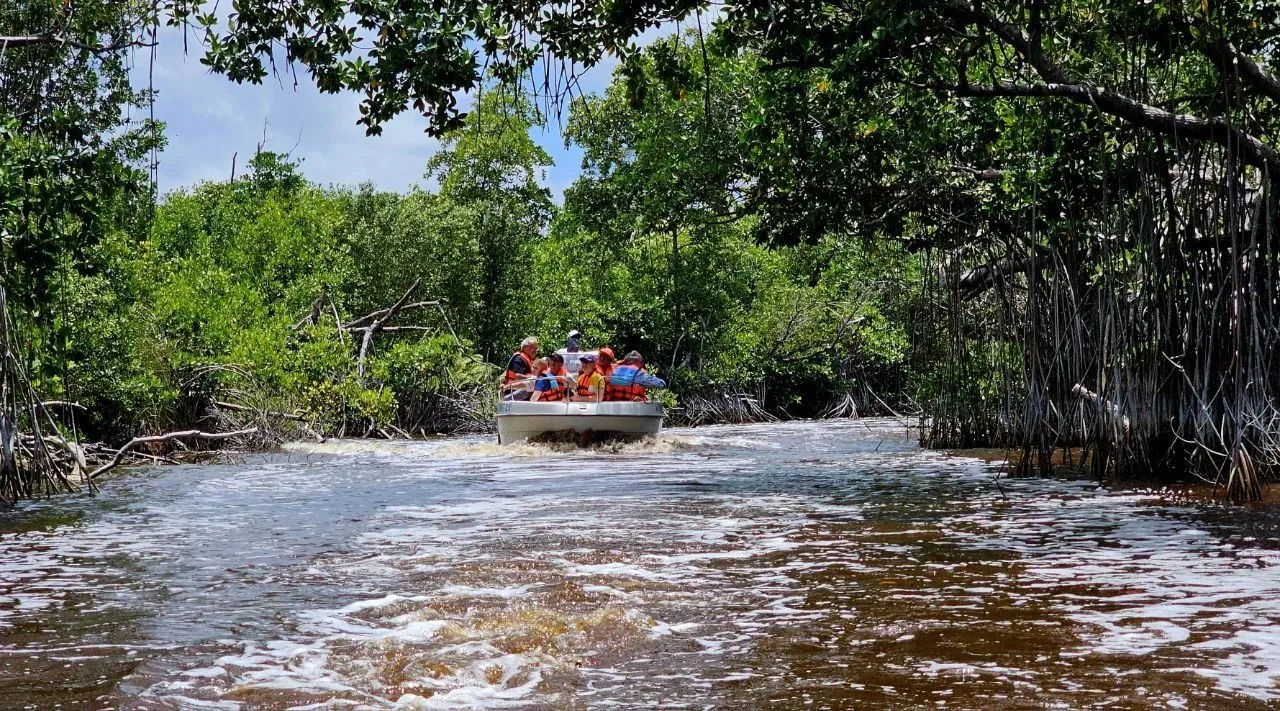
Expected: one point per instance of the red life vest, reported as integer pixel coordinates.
(512, 375)
(630, 391)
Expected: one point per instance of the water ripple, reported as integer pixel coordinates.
(799, 564)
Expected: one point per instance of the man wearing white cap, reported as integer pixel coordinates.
(572, 351)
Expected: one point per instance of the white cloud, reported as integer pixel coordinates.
(209, 119)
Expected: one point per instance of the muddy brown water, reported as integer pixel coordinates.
(800, 565)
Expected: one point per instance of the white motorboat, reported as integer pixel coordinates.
(520, 420)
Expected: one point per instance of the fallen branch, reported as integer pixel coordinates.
(138, 441)
(153, 457)
(63, 403)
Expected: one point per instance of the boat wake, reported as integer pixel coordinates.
(569, 445)
(663, 444)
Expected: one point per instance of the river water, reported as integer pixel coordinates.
(799, 565)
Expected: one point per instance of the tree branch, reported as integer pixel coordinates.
(63, 403)
(50, 38)
(379, 323)
(138, 441)
(381, 313)
(1225, 54)
(1014, 36)
(1252, 150)
(1059, 83)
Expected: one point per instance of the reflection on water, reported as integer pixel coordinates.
(823, 565)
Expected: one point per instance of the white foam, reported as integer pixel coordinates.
(506, 593)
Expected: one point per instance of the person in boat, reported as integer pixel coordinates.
(572, 353)
(587, 385)
(515, 382)
(630, 382)
(604, 361)
(549, 385)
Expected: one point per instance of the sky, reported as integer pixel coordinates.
(209, 119)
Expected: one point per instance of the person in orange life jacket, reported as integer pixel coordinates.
(549, 385)
(604, 361)
(516, 380)
(628, 379)
(587, 386)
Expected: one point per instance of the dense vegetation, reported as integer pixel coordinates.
(1048, 223)
(211, 306)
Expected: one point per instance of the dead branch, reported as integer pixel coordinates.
(313, 315)
(185, 434)
(64, 403)
(361, 322)
(401, 329)
(378, 323)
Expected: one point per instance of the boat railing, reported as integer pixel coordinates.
(568, 400)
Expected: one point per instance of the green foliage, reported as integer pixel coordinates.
(807, 200)
(491, 168)
(71, 196)
(409, 55)
(347, 408)
(393, 239)
(421, 369)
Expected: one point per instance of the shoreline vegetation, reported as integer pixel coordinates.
(1049, 228)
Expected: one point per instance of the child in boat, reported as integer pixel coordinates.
(549, 385)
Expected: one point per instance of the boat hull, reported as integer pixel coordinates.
(519, 421)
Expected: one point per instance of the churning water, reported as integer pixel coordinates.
(801, 565)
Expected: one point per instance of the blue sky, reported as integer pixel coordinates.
(209, 119)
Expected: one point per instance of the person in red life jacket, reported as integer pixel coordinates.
(587, 387)
(550, 383)
(516, 380)
(625, 380)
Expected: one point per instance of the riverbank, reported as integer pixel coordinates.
(1069, 464)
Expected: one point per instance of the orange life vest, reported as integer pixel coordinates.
(556, 393)
(584, 384)
(512, 375)
(632, 391)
